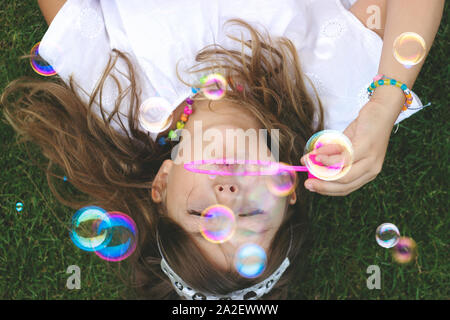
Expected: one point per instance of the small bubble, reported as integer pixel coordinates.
(409, 49)
(405, 251)
(218, 223)
(214, 86)
(19, 206)
(387, 235)
(283, 183)
(250, 260)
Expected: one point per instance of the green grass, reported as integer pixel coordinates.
(411, 192)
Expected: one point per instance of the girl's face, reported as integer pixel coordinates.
(258, 210)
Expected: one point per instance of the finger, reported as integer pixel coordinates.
(329, 149)
(358, 170)
(332, 160)
(330, 188)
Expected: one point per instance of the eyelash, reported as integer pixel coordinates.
(249, 214)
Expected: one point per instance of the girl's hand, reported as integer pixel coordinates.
(369, 134)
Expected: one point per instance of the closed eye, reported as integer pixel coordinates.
(248, 214)
(252, 213)
(195, 213)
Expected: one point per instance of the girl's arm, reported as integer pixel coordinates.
(371, 130)
(50, 8)
(418, 16)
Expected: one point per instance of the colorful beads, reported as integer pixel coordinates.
(380, 80)
(187, 110)
(180, 125)
(377, 77)
(162, 141)
(172, 135)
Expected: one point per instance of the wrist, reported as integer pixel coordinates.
(390, 100)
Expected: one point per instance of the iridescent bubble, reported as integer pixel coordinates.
(217, 224)
(250, 260)
(283, 183)
(85, 234)
(405, 251)
(387, 235)
(409, 49)
(39, 65)
(123, 239)
(330, 155)
(19, 206)
(155, 114)
(214, 86)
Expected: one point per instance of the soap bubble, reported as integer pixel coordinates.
(214, 86)
(123, 237)
(283, 183)
(217, 224)
(19, 206)
(405, 250)
(387, 235)
(330, 155)
(84, 233)
(409, 49)
(155, 114)
(39, 65)
(250, 260)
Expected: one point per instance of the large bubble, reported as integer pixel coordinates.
(155, 114)
(218, 223)
(387, 235)
(282, 183)
(250, 260)
(123, 237)
(330, 155)
(84, 233)
(409, 49)
(38, 64)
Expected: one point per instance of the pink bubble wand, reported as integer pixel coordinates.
(270, 168)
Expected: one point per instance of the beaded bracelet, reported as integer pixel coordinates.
(173, 134)
(380, 80)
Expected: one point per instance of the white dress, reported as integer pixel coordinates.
(337, 52)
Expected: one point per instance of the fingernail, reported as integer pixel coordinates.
(309, 186)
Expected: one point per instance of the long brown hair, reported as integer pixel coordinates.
(115, 171)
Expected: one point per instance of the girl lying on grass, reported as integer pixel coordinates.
(310, 72)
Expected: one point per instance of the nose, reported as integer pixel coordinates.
(226, 189)
(227, 193)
